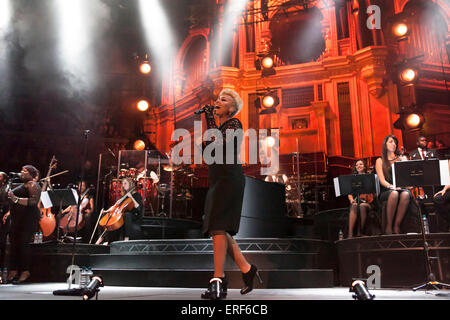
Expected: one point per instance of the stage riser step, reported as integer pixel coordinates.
(206, 260)
(272, 279)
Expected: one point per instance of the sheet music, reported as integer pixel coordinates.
(75, 194)
(444, 171)
(47, 202)
(45, 199)
(337, 190)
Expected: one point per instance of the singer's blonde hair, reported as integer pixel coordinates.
(237, 101)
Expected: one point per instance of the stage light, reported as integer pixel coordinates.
(139, 145)
(400, 29)
(92, 288)
(142, 105)
(362, 293)
(267, 101)
(408, 75)
(411, 118)
(266, 63)
(145, 67)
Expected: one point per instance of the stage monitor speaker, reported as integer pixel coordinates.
(263, 210)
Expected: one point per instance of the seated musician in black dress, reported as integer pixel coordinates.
(132, 218)
(366, 202)
(397, 199)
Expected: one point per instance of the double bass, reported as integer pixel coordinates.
(113, 219)
(67, 222)
(47, 222)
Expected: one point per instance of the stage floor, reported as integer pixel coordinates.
(44, 291)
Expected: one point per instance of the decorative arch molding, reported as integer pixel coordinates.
(322, 5)
(442, 4)
(179, 76)
(193, 36)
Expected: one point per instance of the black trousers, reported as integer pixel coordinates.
(23, 227)
(442, 209)
(4, 231)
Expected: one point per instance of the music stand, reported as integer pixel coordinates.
(357, 184)
(59, 197)
(421, 173)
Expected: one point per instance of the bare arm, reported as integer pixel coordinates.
(35, 194)
(350, 198)
(380, 174)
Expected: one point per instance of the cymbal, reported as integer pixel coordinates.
(172, 167)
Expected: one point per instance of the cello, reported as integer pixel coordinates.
(113, 219)
(67, 222)
(47, 222)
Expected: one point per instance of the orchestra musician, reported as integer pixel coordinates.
(366, 202)
(25, 216)
(85, 210)
(398, 199)
(422, 152)
(441, 202)
(131, 218)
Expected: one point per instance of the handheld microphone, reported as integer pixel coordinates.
(204, 108)
(14, 175)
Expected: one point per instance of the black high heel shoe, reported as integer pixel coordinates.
(248, 279)
(217, 289)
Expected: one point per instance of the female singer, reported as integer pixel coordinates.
(223, 202)
(366, 202)
(397, 198)
(25, 217)
(131, 218)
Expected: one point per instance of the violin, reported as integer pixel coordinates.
(113, 219)
(47, 223)
(366, 197)
(68, 221)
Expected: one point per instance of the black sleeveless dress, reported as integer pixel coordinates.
(385, 192)
(223, 204)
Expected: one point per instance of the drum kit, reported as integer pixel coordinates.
(303, 191)
(156, 191)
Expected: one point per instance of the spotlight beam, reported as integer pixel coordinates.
(158, 32)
